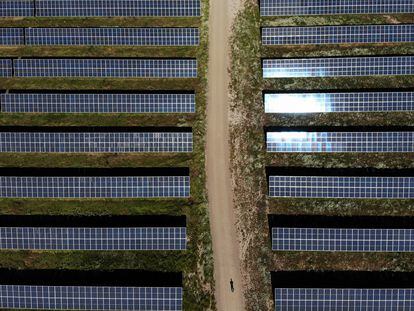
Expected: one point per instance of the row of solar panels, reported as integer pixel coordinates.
(337, 34)
(342, 239)
(330, 142)
(333, 7)
(100, 8)
(94, 187)
(110, 239)
(187, 68)
(338, 102)
(99, 68)
(44, 297)
(93, 142)
(98, 103)
(388, 187)
(342, 234)
(185, 103)
(100, 36)
(338, 67)
(341, 299)
(350, 187)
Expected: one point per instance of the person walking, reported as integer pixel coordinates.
(232, 285)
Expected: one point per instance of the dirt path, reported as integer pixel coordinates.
(222, 218)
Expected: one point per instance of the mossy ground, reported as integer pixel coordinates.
(195, 263)
(249, 158)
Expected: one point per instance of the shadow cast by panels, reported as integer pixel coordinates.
(82, 172)
(346, 172)
(342, 279)
(92, 221)
(134, 278)
(95, 129)
(321, 221)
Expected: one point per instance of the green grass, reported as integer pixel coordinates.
(195, 263)
(249, 159)
(342, 160)
(98, 51)
(95, 160)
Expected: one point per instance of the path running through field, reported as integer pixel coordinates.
(222, 217)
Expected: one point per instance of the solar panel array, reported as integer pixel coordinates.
(90, 298)
(15, 8)
(338, 67)
(175, 8)
(342, 239)
(97, 103)
(340, 141)
(339, 102)
(100, 36)
(337, 34)
(321, 7)
(350, 299)
(102, 8)
(11, 36)
(106, 68)
(121, 142)
(6, 67)
(45, 238)
(341, 187)
(95, 187)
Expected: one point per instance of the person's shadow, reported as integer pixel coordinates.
(232, 285)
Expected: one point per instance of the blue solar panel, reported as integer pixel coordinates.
(341, 299)
(6, 67)
(337, 34)
(113, 36)
(338, 67)
(97, 103)
(90, 298)
(16, 8)
(341, 187)
(95, 187)
(106, 68)
(93, 142)
(342, 239)
(338, 102)
(132, 8)
(11, 36)
(340, 141)
(323, 7)
(51, 238)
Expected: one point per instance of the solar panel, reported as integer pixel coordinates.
(97, 103)
(120, 142)
(51, 238)
(337, 34)
(94, 187)
(16, 8)
(338, 102)
(11, 36)
(132, 8)
(113, 36)
(90, 298)
(6, 67)
(342, 239)
(350, 299)
(322, 7)
(340, 141)
(341, 187)
(338, 67)
(106, 68)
